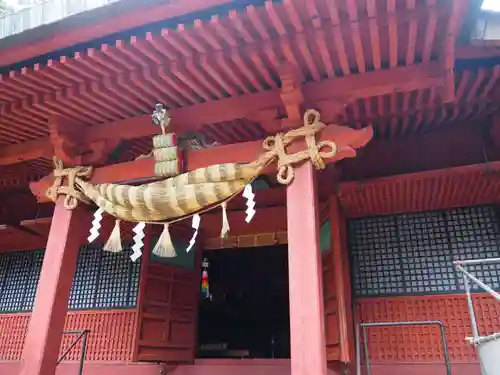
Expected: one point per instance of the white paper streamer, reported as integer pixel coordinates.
(138, 244)
(196, 226)
(96, 225)
(225, 222)
(249, 195)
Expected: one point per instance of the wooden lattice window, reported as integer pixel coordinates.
(19, 273)
(475, 234)
(102, 280)
(414, 253)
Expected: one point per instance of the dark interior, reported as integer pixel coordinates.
(248, 314)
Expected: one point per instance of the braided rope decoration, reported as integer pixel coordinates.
(276, 148)
(72, 195)
(227, 179)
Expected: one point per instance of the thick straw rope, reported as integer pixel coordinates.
(69, 190)
(276, 148)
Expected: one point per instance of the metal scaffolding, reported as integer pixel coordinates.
(488, 347)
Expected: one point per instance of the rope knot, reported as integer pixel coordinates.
(316, 152)
(71, 175)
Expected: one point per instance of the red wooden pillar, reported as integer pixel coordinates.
(43, 340)
(308, 352)
(342, 280)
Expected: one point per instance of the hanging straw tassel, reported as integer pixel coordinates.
(225, 222)
(114, 244)
(164, 248)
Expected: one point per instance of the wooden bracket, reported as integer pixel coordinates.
(99, 151)
(291, 94)
(64, 138)
(332, 109)
(294, 98)
(67, 139)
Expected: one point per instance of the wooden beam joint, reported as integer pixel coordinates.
(64, 137)
(291, 93)
(68, 142)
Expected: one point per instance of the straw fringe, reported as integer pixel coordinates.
(114, 244)
(164, 248)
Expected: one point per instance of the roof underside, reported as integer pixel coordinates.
(239, 54)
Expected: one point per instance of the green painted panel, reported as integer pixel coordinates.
(183, 258)
(325, 236)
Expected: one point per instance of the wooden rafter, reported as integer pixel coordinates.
(321, 95)
(182, 66)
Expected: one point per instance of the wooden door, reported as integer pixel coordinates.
(332, 322)
(339, 323)
(168, 307)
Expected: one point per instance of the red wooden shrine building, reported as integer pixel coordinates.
(371, 238)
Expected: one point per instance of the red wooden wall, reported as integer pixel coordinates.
(423, 344)
(111, 337)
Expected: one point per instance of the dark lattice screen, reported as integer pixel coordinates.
(376, 256)
(102, 280)
(19, 273)
(86, 278)
(32, 279)
(425, 255)
(475, 234)
(413, 253)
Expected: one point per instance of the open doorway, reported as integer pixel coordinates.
(247, 315)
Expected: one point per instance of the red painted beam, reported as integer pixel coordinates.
(266, 220)
(470, 51)
(117, 23)
(346, 138)
(26, 151)
(187, 118)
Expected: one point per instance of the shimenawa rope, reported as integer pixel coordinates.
(275, 147)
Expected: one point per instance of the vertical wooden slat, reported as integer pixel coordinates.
(342, 280)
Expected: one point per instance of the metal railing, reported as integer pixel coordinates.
(487, 346)
(364, 326)
(82, 335)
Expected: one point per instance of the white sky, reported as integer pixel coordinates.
(11, 2)
(15, 3)
(491, 5)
